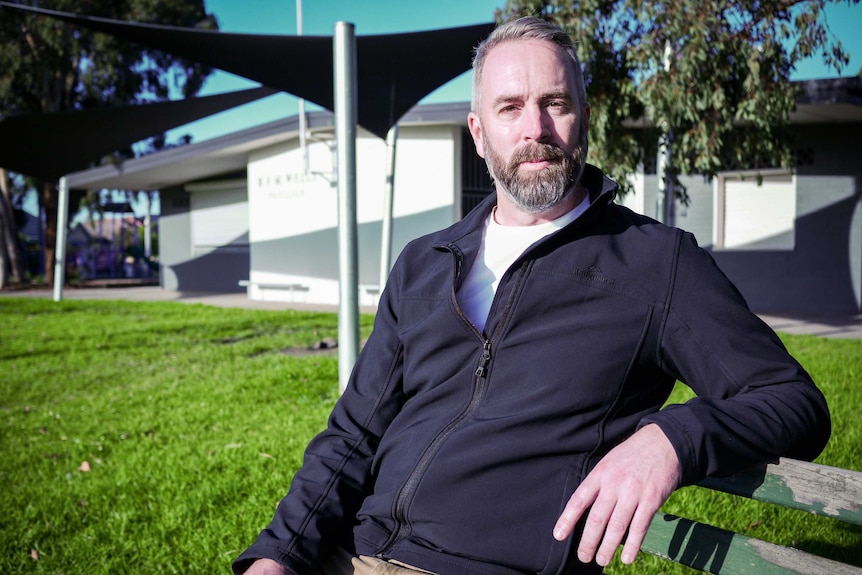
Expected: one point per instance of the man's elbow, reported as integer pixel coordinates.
(815, 432)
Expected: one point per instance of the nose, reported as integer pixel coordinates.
(535, 124)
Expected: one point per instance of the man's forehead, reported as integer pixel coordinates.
(521, 44)
(514, 61)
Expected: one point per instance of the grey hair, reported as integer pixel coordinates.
(528, 27)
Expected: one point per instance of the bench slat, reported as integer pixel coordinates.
(723, 552)
(819, 489)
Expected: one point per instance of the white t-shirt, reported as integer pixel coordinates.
(501, 246)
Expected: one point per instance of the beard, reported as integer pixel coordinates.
(537, 191)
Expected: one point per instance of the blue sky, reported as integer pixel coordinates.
(392, 16)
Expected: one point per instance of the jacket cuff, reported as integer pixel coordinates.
(680, 438)
(242, 563)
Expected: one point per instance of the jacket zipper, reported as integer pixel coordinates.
(408, 490)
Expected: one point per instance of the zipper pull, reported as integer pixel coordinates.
(484, 360)
(459, 263)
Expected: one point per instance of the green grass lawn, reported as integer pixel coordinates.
(192, 419)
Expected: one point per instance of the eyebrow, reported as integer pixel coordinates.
(505, 99)
(508, 98)
(565, 96)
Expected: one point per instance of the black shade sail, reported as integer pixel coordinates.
(394, 71)
(49, 146)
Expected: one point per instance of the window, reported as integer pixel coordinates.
(219, 216)
(756, 211)
(475, 182)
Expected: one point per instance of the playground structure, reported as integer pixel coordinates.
(117, 245)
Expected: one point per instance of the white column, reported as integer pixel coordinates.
(388, 202)
(60, 248)
(344, 53)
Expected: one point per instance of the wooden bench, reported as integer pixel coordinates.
(294, 289)
(827, 491)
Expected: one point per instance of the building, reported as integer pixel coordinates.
(257, 211)
(793, 243)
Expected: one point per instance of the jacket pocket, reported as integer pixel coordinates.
(563, 554)
(560, 550)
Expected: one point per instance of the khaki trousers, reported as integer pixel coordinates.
(340, 562)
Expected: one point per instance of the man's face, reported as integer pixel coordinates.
(529, 126)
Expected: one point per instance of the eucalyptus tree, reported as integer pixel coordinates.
(712, 76)
(49, 66)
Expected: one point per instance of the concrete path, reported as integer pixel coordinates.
(849, 326)
(844, 327)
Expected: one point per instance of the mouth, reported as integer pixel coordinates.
(536, 163)
(537, 157)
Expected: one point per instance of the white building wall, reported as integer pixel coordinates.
(635, 200)
(425, 176)
(293, 215)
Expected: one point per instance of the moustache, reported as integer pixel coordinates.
(537, 152)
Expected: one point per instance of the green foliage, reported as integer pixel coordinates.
(714, 74)
(192, 420)
(52, 66)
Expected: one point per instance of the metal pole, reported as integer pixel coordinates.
(148, 222)
(344, 53)
(303, 127)
(60, 249)
(388, 202)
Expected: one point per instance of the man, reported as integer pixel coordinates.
(505, 415)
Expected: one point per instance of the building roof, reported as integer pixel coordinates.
(827, 101)
(229, 153)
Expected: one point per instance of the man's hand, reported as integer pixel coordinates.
(625, 490)
(266, 567)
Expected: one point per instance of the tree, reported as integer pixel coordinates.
(714, 75)
(49, 66)
(11, 254)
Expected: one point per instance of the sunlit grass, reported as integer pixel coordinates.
(192, 420)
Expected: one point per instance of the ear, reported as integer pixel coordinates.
(475, 127)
